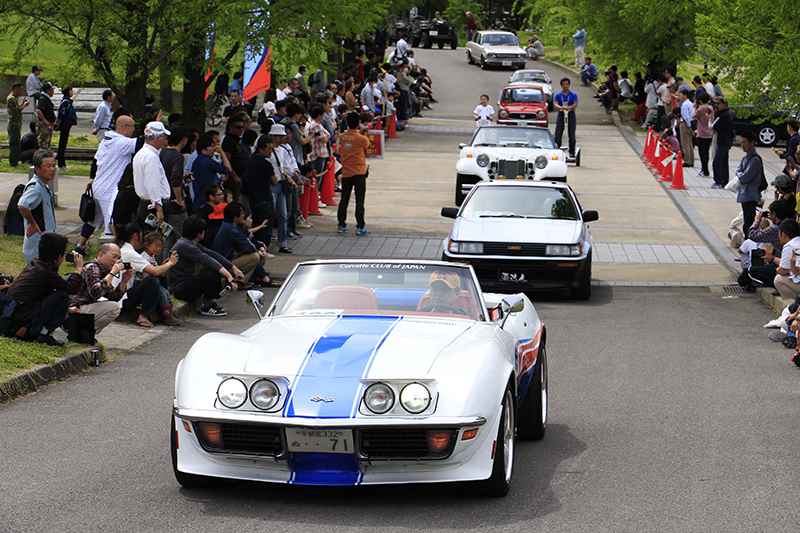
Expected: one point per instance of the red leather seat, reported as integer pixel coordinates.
(345, 297)
(464, 301)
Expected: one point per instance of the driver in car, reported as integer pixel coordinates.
(444, 287)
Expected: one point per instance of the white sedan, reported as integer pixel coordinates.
(508, 152)
(366, 372)
(496, 49)
(523, 236)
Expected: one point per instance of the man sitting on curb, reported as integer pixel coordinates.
(187, 283)
(588, 73)
(98, 278)
(230, 240)
(42, 294)
(786, 281)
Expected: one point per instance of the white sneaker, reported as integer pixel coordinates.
(774, 324)
(304, 222)
(270, 256)
(322, 206)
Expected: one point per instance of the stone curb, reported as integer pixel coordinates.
(35, 378)
(775, 302)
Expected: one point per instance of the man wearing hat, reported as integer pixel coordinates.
(283, 163)
(34, 84)
(46, 112)
(149, 179)
(444, 288)
(472, 25)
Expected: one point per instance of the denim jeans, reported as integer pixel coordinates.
(720, 165)
(280, 213)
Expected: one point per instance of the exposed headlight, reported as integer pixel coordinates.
(379, 398)
(232, 393)
(483, 160)
(503, 113)
(541, 114)
(563, 249)
(490, 55)
(465, 247)
(540, 162)
(415, 398)
(265, 394)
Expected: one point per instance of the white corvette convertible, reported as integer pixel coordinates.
(366, 373)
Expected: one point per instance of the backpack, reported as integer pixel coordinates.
(7, 308)
(762, 186)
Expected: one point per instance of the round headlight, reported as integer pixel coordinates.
(503, 113)
(540, 162)
(265, 394)
(541, 114)
(483, 160)
(415, 398)
(379, 398)
(232, 393)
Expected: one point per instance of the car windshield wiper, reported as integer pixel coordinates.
(520, 143)
(485, 144)
(501, 215)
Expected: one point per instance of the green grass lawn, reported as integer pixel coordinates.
(76, 168)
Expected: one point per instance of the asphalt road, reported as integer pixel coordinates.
(670, 411)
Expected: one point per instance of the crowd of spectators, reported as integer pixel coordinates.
(194, 213)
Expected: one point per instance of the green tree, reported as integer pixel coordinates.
(752, 46)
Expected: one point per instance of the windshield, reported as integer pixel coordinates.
(540, 77)
(376, 288)
(509, 136)
(499, 39)
(522, 95)
(520, 202)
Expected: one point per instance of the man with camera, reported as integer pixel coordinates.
(42, 294)
(105, 277)
(149, 179)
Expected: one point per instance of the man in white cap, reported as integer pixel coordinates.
(149, 179)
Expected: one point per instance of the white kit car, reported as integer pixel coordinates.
(508, 152)
(366, 373)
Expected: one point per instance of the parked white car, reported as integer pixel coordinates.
(535, 76)
(496, 49)
(508, 152)
(366, 372)
(523, 236)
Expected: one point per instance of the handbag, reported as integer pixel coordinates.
(88, 205)
(286, 187)
(80, 328)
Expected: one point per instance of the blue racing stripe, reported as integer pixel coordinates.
(335, 365)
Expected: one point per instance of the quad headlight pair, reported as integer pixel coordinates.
(380, 398)
(264, 393)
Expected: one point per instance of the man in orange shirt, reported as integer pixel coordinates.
(354, 146)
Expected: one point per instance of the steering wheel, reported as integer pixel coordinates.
(444, 309)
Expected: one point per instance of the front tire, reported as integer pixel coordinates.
(499, 482)
(532, 414)
(484, 66)
(470, 61)
(584, 290)
(426, 41)
(460, 196)
(454, 43)
(191, 481)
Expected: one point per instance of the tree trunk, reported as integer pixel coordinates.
(194, 87)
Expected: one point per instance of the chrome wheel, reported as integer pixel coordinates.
(508, 436)
(543, 390)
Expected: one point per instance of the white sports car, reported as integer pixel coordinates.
(366, 373)
(523, 236)
(508, 152)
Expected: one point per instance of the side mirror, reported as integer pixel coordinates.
(590, 216)
(450, 212)
(510, 306)
(461, 146)
(256, 299)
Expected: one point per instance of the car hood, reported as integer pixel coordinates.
(523, 230)
(328, 356)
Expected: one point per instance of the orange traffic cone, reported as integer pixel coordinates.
(393, 126)
(329, 185)
(659, 167)
(667, 162)
(647, 144)
(313, 202)
(656, 155)
(677, 178)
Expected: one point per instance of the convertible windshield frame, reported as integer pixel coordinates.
(514, 136)
(378, 287)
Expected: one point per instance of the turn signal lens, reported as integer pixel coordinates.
(469, 434)
(211, 435)
(187, 426)
(438, 442)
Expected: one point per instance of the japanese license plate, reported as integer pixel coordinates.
(512, 277)
(433, 33)
(506, 63)
(320, 440)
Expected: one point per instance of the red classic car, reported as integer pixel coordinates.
(523, 105)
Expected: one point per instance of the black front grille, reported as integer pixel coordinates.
(402, 443)
(250, 439)
(515, 249)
